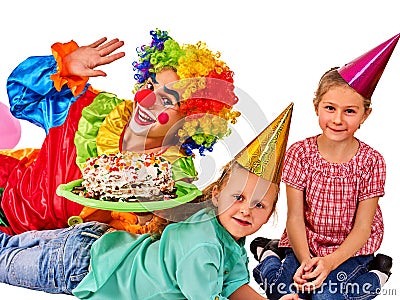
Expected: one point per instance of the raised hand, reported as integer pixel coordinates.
(84, 60)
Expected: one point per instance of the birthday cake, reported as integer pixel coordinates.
(127, 177)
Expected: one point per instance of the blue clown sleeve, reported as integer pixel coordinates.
(32, 94)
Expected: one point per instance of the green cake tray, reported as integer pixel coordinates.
(186, 192)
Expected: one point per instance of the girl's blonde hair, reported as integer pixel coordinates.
(330, 79)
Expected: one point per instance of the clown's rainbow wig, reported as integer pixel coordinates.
(208, 87)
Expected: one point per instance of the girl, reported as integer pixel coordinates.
(81, 122)
(334, 181)
(202, 257)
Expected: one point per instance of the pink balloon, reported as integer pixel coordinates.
(10, 128)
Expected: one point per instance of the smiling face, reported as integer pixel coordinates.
(158, 111)
(245, 202)
(340, 113)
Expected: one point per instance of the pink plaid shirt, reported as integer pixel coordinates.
(332, 192)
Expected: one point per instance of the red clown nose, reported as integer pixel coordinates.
(145, 98)
(163, 118)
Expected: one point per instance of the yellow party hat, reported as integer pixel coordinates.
(265, 154)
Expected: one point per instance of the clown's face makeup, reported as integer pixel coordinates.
(157, 106)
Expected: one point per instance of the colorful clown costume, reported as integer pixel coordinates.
(96, 122)
(82, 122)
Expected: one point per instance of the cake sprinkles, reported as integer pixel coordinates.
(127, 177)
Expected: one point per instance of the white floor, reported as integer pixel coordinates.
(16, 293)
(391, 290)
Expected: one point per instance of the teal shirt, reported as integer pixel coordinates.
(195, 259)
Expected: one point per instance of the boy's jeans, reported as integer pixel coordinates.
(351, 280)
(54, 261)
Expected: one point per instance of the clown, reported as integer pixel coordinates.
(183, 102)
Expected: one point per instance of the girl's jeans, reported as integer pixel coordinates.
(351, 280)
(54, 261)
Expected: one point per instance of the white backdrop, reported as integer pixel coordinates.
(277, 49)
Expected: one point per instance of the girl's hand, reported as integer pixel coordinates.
(83, 60)
(300, 272)
(290, 297)
(314, 273)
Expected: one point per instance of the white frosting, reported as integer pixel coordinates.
(127, 175)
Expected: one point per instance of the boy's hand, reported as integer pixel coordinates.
(83, 60)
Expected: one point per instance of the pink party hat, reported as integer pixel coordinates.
(364, 72)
